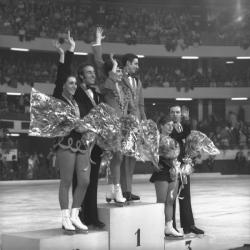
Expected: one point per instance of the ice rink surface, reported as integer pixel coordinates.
(221, 207)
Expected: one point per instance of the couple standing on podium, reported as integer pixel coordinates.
(174, 129)
(74, 160)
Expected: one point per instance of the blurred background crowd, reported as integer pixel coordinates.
(175, 24)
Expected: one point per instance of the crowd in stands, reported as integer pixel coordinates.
(190, 74)
(123, 23)
(174, 26)
(28, 166)
(14, 104)
(154, 72)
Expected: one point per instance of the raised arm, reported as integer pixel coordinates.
(69, 54)
(60, 71)
(97, 51)
(97, 46)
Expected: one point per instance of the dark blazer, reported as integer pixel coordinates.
(84, 102)
(180, 138)
(186, 213)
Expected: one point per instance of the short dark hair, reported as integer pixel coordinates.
(80, 70)
(162, 121)
(128, 57)
(108, 66)
(175, 104)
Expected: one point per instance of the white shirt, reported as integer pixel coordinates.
(132, 82)
(90, 92)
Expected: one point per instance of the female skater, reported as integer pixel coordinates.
(117, 95)
(70, 152)
(166, 180)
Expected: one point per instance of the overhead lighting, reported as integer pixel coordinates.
(190, 57)
(229, 62)
(13, 93)
(183, 99)
(239, 98)
(140, 56)
(80, 53)
(13, 134)
(243, 57)
(19, 49)
(153, 103)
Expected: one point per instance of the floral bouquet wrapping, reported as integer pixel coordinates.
(197, 142)
(106, 124)
(130, 132)
(169, 147)
(175, 170)
(50, 117)
(149, 142)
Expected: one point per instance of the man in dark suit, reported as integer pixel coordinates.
(180, 132)
(87, 96)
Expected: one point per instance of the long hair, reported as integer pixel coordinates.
(108, 65)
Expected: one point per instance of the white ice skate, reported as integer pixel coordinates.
(80, 227)
(171, 232)
(67, 225)
(118, 197)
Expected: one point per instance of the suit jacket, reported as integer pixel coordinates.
(83, 100)
(180, 138)
(137, 95)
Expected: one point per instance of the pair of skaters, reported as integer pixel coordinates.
(174, 129)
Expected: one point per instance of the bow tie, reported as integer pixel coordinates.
(131, 75)
(86, 87)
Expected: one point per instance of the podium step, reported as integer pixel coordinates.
(54, 239)
(135, 226)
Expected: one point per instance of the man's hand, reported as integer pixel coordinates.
(178, 127)
(99, 35)
(58, 47)
(115, 64)
(71, 42)
(185, 113)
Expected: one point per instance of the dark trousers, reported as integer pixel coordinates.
(127, 171)
(89, 212)
(186, 213)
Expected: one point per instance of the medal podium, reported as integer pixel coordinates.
(137, 225)
(54, 239)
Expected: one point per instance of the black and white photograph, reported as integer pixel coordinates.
(125, 125)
